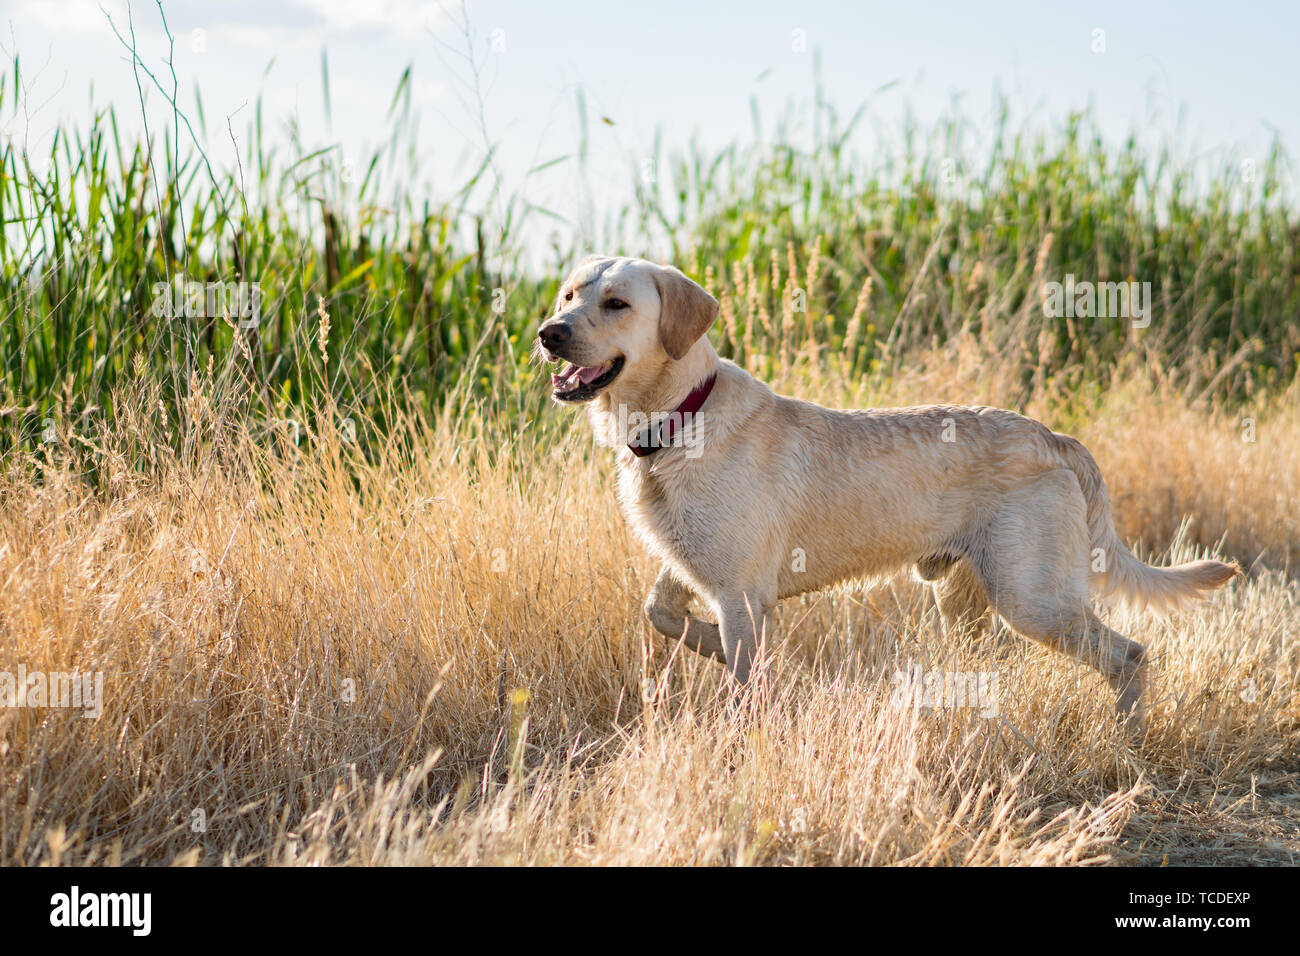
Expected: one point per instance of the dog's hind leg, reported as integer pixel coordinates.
(667, 608)
(1121, 661)
(1084, 637)
(963, 605)
(1034, 566)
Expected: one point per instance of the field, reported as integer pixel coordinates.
(359, 595)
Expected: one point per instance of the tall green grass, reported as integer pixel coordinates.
(373, 290)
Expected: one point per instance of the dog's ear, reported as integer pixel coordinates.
(687, 311)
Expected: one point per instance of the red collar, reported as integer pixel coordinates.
(689, 406)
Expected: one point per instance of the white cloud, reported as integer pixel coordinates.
(257, 24)
(395, 16)
(72, 16)
(246, 35)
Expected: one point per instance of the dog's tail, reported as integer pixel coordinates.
(1116, 572)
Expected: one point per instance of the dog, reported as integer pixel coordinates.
(748, 497)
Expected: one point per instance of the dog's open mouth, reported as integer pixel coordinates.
(580, 383)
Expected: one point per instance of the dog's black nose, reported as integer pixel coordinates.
(554, 334)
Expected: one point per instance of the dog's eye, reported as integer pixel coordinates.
(616, 304)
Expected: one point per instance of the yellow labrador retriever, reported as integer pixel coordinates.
(749, 497)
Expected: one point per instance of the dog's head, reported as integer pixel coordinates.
(617, 317)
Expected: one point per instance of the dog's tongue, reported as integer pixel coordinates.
(586, 374)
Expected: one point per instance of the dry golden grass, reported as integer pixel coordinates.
(439, 657)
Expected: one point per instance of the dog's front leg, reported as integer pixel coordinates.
(745, 621)
(666, 607)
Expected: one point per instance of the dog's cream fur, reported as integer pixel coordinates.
(776, 496)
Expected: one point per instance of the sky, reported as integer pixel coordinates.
(1222, 80)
